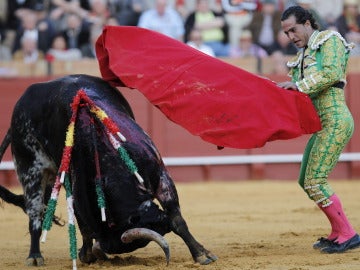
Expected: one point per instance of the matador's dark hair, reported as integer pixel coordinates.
(301, 16)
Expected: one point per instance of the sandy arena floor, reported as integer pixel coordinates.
(248, 225)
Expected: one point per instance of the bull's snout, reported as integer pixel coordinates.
(143, 233)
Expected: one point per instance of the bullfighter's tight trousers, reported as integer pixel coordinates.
(320, 157)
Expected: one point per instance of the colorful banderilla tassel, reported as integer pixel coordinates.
(60, 178)
(98, 184)
(113, 130)
(71, 217)
(125, 157)
(50, 210)
(102, 116)
(63, 172)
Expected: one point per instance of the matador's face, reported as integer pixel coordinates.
(299, 34)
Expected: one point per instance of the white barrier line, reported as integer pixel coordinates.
(7, 165)
(245, 159)
(226, 160)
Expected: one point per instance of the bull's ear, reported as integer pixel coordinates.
(150, 213)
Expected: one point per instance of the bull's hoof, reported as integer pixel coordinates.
(35, 260)
(206, 258)
(98, 253)
(86, 257)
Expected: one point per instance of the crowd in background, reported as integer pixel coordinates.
(68, 29)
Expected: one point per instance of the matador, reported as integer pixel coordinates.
(319, 70)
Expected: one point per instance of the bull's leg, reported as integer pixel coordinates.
(179, 226)
(89, 252)
(167, 196)
(34, 208)
(85, 253)
(35, 172)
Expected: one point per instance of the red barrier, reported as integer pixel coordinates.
(353, 99)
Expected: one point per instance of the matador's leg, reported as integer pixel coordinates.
(320, 157)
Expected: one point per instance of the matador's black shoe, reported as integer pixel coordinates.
(322, 242)
(352, 243)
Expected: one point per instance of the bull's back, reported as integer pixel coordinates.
(44, 110)
(58, 94)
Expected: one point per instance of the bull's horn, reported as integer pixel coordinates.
(143, 233)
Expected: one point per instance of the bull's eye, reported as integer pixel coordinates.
(145, 206)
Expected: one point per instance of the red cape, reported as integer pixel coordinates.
(219, 102)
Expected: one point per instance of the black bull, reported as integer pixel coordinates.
(37, 136)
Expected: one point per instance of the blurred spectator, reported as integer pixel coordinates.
(163, 19)
(196, 42)
(111, 21)
(76, 32)
(238, 14)
(246, 47)
(2, 29)
(308, 5)
(17, 9)
(183, 7)
(80, 7)
(280, 4)
(88, 49)
(5, 52)
(3, 10)
(348, 24)
(289, 3)
(99, 13)
(127, 12)
(329, 10)
(278, 63)
(40, 30)
(60, 52)
(281, 51)
(265, 25)
(283, 44)
(58, 9)
(72, 5)
(212, 25)
(28, 52)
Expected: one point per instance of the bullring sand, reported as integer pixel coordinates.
(267, 225)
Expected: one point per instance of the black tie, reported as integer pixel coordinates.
(302, 63)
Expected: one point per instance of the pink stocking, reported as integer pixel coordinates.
(340, 226)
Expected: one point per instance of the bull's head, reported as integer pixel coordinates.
(149, 215)
(147, 223)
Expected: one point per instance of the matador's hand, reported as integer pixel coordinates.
(288, 85)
